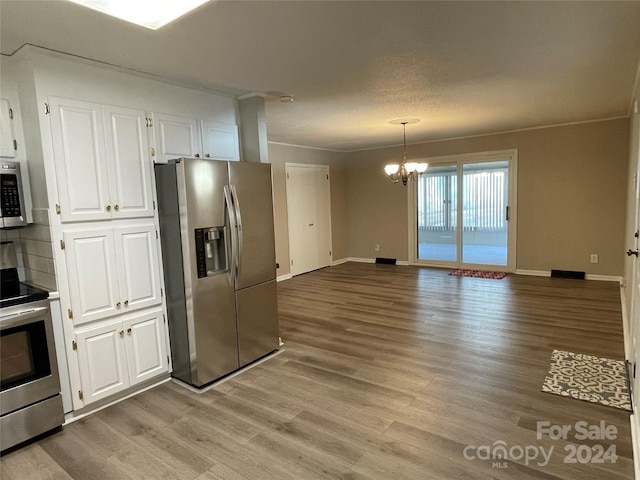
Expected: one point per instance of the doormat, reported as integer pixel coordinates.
(461, 272)
(592, 379)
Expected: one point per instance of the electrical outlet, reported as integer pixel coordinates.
(377, 247)
(594, 258)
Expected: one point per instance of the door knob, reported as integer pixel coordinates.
(632, 252)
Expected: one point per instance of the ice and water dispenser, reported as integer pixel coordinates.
(211, 252)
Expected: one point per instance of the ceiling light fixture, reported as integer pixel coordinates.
(151, 14)
(404, 171)
(286, 98)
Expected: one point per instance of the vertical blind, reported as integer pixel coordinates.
(483, 201)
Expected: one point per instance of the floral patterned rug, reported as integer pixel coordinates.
(589, 378)
(461, 272)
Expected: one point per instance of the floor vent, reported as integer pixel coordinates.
(567, 274)
(386, 261)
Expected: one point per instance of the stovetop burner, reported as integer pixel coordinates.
(14, 292)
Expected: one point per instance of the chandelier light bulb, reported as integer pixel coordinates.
(411, 166)
(391, 169)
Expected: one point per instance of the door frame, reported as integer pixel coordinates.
(511, 155)
(327, 169)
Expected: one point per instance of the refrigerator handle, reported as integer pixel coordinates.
(233, 267)
(236, 204)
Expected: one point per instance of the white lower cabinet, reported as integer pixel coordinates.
(119, 354)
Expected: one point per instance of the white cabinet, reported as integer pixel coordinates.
(145, 344)
(101, 158)
(111, 271)
(120, 354)
(7, 146)
(175, 137)
(220, 141)
(128, 160)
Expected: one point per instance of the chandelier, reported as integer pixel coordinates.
(404, 171)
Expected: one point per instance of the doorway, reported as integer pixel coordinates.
(309, 217)
(464, 209)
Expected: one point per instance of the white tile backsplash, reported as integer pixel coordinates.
(34, 250)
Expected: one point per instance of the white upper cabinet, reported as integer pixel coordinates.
(130, 174)
(7, 148)
(80, 158)
(220, 141)
(111, 271)
(100, 153)
(175, 137)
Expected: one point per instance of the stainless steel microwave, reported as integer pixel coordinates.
(12, 212)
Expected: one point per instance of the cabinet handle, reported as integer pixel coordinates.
(208, 156)
(126, 303)
(122, 333)
(108, 208)
(116, 207)
(118, 305)
(129, 331)
(197, 155)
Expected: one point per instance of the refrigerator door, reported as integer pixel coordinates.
(202, 322)
(257, 321)
(250, 185)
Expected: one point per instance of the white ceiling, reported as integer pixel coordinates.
(463, 68)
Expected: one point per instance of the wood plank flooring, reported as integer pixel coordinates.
(387, 373)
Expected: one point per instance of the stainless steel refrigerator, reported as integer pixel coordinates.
(218, 251)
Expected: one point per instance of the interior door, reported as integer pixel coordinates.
(309, 216)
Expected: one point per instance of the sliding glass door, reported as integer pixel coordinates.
(464, 209)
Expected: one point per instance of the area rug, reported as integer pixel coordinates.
(461, 272)
(592, 379)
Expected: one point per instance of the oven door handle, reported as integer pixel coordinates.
(20, 318)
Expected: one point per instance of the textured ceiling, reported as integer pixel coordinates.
(463, 68)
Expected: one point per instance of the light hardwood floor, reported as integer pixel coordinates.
(387, 373)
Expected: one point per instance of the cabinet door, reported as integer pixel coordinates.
(80, 160)
(175, 137)
(146, 350)
(102, 361)
(127, 149)
(6, 131)
(138, 268)
(220, 141)
(93, 277)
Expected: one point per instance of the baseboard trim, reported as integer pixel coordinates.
(603, 278)
(635, 432)
(362, 260)
(404, 263)
(588, 276)
(340, 262)
(76, 415)
(284, 277)
(534, 273)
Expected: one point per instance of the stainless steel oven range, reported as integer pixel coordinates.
(30, 401)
